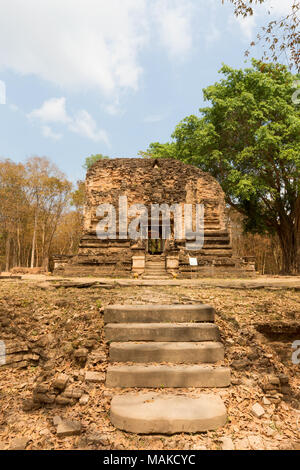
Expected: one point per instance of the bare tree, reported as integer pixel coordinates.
(279, 35)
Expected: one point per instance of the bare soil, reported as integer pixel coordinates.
(60, 330)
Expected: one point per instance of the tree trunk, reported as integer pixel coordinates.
(33, 240)
(7, 253)
(46, 263)
(288, 238)
(19, 246)
(14, 257)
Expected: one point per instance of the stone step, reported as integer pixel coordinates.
(155, 263)
(177, 353)
(217, 240)
(155, 277)
(216, 246)
(156, 274)
(155, 269)
(156, 313)
(162, 332)
(166, 376)
(215, 233)
(217, 253)
(157, 413)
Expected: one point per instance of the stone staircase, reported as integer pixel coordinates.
(166, 346)
(155, 267)
(217, 243)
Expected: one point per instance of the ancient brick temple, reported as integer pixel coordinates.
(148, 182)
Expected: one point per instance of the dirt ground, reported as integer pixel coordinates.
(50, 331)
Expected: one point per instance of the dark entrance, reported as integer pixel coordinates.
(155, 245)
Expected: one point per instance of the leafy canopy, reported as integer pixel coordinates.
(249, 139)
(89, 161)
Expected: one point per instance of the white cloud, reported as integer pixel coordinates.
(247, 25)
(114, 108)
(90, 44)
(279, 7)
(54, 111)
(175, 30)
(82, 44)
(48, 132)
(86, 126)
(13, 107)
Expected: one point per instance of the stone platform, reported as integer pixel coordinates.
(155, 413)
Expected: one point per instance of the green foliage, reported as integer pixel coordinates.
(167, 150)
(89, 161)
(249, 139)
(78, 196)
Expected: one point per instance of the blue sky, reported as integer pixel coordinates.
(99, 76)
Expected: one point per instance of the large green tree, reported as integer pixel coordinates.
(249, 139)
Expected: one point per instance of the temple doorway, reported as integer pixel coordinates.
(155, 245)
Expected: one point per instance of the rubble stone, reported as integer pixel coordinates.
(68, 428)
(227, 443)
(57, 420)
(98, 438)
(96, 377)
(19, 443)
(61, 381)
(84, 399)
(257, 410)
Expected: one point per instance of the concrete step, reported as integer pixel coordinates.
(148, 413)
(156, 313)
(161, 332)
(165, 376)
(177, 353)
